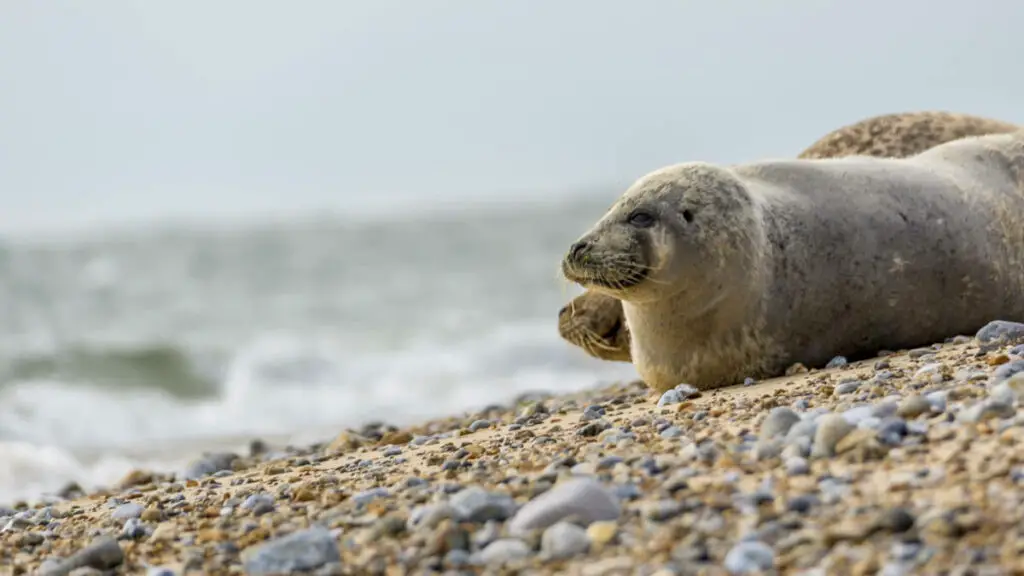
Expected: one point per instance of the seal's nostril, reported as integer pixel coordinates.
(563, 311)
(578, 249)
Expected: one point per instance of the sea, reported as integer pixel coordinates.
(143, 347)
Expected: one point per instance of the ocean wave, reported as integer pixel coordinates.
(278, 384)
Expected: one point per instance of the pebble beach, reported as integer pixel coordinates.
(908, 463)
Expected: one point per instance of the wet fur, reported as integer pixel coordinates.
(802, 260)
(595, 321)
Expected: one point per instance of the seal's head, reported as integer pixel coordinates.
(595, 323)
(683, 230)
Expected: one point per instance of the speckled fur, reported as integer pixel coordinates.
(802, 260)
(595, 321)
(902, 135)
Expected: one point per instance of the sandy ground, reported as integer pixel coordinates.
(904, 464)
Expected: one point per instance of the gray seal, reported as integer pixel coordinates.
(727, 272)
(595, 321)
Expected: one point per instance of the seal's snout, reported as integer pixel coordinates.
(579, 250)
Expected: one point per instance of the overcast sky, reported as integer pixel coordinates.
(117, 110)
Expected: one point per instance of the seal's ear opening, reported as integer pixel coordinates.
(688, 216)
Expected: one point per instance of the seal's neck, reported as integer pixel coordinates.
(671, 345)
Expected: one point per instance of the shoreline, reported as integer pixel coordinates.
(900, 464)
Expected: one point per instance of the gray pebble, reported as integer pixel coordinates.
(750, 556)
(671, 432)
(367, 496)
(126, 511)
(102, 554)
(209, 464)
(1007, 370)
(133, 529)
(831, 429)
(797, 466)
(479, 425)
(859, 413)
(430, 515)
(564, 540)
(999, 329)
(913, 406)
(662, 510)
(585, 498)
(837, 362)
(160, 571)
(987, 409)
(846, 387)
(804, 428)
(937, 400)
(474, 504)
(297, 552)
(255, 500)
(778, 422)
(502, 551)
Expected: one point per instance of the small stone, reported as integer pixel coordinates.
(503, 551)
(583, 497)
(778, 422)
(837, 362)
(750, 557)
(1006, 371)
(831, 429)
(300, 551)
(102, 554)
(796, 466)
(479, 425)
(126, 511)
(895, 521)
(563, 540)
(1000, 330)
(671, 432)
(847, 387)
(135, 478)
(913, 406)
(987, 409)
(209, 464)
(602, 532)
(474, 504)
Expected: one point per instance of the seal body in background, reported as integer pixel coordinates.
(728, 272)
(595, 322)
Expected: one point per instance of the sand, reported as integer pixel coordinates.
(904, 464)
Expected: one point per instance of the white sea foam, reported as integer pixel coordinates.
(280, 384)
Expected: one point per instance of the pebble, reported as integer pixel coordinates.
(503, 551)
(126, 511)
(837, 362)
(102, 554)
(797, 466)
(831, 429)
(750, 557)
(563, 540)
(209, 464)
(778, 422)
(584, 498)
(999, 329)
(305, 550)
(913, 406)
(987, 409)
(474, 504)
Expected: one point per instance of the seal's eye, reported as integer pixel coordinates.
(641, 219)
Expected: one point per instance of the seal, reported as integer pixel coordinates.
(727, 272)
(595, 322)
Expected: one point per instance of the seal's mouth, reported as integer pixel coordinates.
(615, 275)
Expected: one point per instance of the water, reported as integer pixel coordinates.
(141, 349)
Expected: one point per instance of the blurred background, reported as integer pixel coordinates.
(253, 218)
